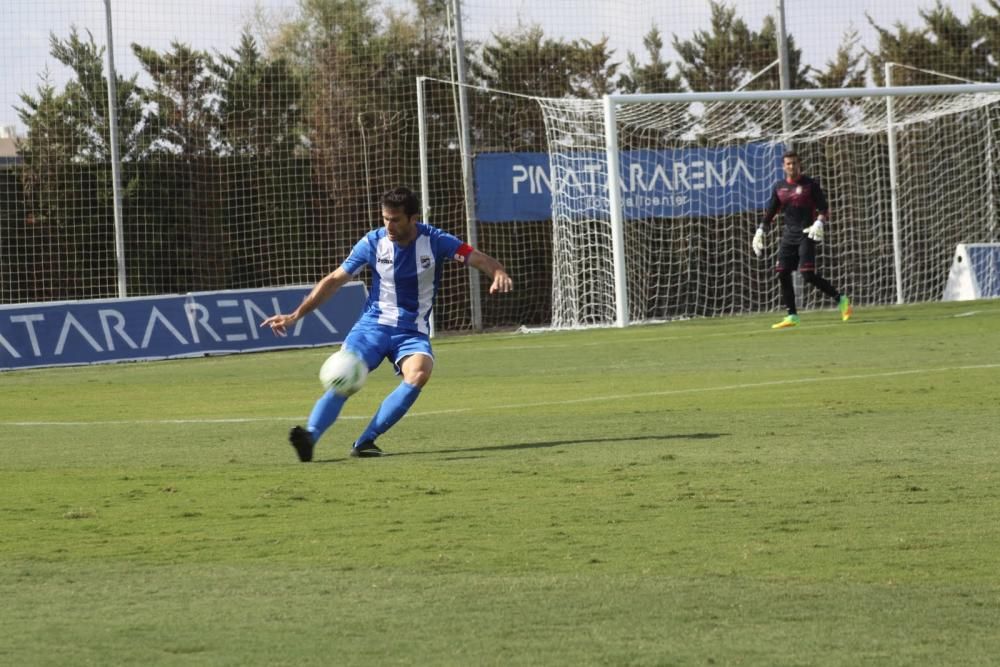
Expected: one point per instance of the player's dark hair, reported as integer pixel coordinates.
(403, 198)
(791, 154)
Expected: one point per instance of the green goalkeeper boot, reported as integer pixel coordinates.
(846, 310)
(790, 321)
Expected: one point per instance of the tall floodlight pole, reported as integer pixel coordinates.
(785, 78)
(115, 160)
(784, 74)
(425, 186)
(465, 141)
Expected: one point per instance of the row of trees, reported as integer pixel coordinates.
(317, 114)
(338, 68)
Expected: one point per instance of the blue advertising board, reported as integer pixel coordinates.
(671, 183)
(984, 259)
(167, 327)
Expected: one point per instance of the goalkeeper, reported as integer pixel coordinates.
(803, 203)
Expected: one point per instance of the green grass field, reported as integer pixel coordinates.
(708, 492)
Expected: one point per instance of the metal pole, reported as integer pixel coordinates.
(465, 141)
(115, 159)
(897, 244)
(784, 74)
(425, 188)
(785, 79)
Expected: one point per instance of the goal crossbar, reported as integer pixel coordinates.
(807, 94)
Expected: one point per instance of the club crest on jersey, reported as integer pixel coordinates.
(425, 261)
(798, 189)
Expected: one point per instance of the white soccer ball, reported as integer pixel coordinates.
(343, 373)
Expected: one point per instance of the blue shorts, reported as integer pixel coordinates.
(375, 342)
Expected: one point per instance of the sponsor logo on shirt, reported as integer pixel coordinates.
(425, 261)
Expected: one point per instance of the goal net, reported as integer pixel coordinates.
(695, 174)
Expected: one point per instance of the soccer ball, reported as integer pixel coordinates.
(343, 373)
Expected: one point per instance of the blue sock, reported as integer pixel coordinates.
(391, 411)
(324, 413)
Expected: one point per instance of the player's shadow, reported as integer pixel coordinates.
(544, 444)
(563, 443)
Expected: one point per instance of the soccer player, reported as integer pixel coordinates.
(406, 259)
(805, 209)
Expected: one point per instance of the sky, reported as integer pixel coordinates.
(818, 27)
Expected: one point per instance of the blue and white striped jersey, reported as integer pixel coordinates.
(404, 279)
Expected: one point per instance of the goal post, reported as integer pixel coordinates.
(692, 176)
(617, 216)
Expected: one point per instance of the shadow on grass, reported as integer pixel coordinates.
(549, 443)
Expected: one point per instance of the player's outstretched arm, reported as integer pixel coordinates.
(320, 292)
(494, 269)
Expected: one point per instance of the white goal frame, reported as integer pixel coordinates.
(613, 102)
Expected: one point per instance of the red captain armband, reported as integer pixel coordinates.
(463, 252)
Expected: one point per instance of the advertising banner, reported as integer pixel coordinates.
(168, 327)
(517, 187)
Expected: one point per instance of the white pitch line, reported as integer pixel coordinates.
(147, 422)
(727, 387)
(521, 406)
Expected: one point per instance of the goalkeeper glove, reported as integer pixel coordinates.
(758, 242)
(815, 231)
